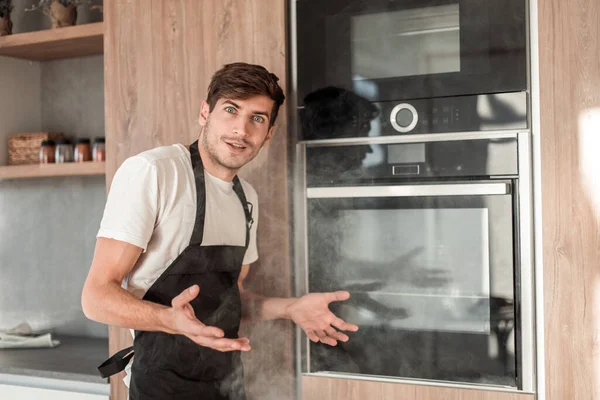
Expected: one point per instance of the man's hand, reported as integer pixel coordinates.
(311, 312)
(184, 322)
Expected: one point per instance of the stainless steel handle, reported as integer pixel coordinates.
(457, 189)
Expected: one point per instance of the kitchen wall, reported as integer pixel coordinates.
(48, 225)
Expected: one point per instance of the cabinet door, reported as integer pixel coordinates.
(30, 393)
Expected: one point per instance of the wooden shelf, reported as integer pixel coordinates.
(52, 44)
(49, 170)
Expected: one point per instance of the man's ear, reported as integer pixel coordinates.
(204, 112)
(269, 136)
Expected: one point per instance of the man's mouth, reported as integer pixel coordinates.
(235, 146)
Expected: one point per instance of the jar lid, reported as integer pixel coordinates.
(48, 142)
(63, 141)
(83, 141)
(99, 140)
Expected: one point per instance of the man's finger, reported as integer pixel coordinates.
(335, 335)
(344, 326)
(338, 296)
(186, 296)
(194, 328)
(311, 335)
(211, 331)
(326, 339)
(225, 345)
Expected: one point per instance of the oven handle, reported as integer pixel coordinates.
(456, 189)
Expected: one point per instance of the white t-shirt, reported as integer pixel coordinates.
(152, 204)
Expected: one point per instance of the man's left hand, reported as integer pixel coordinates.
(311, 312)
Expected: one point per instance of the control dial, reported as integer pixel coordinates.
(404, 117)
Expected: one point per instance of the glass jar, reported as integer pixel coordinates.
(63, 152)
(83, 150)
(99, 152)
(47, 149)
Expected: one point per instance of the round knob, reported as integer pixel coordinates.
(404, 117)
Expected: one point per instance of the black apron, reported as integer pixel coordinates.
(172, 366)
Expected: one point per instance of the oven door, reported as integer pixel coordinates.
(431, 269)
(407, 49)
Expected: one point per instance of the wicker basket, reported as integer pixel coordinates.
(24, 148)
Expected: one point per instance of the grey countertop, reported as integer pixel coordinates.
(75, 359)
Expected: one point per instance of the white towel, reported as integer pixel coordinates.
(21, 337)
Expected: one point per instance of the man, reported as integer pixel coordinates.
(179, 229)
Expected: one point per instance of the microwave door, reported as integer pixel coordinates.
(393, 50)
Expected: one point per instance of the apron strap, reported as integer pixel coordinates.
(248, 207)
(116, 363)
(198, 231)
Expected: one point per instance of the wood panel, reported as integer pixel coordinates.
(159, 57)
(569, 34)
(52, 44)
(318, 388)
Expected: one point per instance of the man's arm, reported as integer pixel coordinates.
(256, 307)
(310, 312)
(104, 300)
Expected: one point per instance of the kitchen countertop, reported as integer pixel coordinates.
(75, 359)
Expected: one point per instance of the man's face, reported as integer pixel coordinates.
(235, 130)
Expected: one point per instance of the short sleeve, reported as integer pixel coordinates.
(132, 203)
(252, 251)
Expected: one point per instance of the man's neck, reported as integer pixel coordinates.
(213, 168)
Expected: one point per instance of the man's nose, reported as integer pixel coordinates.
(241, 128)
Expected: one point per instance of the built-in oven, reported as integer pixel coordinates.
(389, 50)
(432, 238)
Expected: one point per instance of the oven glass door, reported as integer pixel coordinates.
(431, 273)
(407, 49)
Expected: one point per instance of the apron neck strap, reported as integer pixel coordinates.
(248, 207)
(198, 168)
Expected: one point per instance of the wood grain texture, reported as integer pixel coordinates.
(569, 34)
(50, 170)
(159, 57)
(52, 44)
(317, 388)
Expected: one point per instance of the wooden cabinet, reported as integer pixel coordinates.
(568, 128)
(159, 57)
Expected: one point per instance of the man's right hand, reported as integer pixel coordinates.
(184, 322)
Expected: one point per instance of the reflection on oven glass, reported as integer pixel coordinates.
(436, 267)
(333, 113)
(410, 42)
(420, 291)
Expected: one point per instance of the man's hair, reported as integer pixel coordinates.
(241, 81)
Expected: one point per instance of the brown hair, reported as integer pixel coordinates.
(241, 81)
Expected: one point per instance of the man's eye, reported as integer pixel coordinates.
(258, 118)
(230, 109)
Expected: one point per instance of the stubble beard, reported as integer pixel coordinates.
(212, 152)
